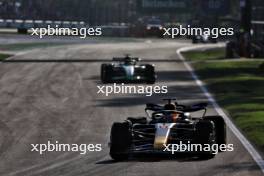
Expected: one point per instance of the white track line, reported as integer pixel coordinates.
(250, 148)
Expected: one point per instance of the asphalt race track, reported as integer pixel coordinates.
(58, 101)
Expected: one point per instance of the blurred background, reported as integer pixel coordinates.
(101, 12)
(144, 18)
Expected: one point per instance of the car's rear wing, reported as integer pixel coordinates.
(192, 108)
(195, 108)
(179, 108)
(153, 107)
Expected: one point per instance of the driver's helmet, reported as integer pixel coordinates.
(128, 61)
(170, 107)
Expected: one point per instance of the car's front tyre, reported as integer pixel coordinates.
(105, 73)
(205, 134)
(150, 74)
(120, 141)
(220, 128)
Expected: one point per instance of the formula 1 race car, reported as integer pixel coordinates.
(154, 28)
(166, 126)
(127, 70)
(203, 39)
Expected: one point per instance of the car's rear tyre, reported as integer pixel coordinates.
(105, 73)
(220, 128)
(161, 34)
(22, 31)
(120, 141)
(150, 74)
(205, 134)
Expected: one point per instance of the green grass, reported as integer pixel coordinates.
(238, 87)
(218, 53)
(4, 56)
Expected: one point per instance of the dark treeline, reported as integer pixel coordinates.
(97, 12)
(92, 11)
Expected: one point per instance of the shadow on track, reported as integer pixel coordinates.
(135, 99)
(156, 158)
(54, 60)
(77, 60)
(127, 101)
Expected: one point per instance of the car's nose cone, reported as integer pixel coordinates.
(129, 70)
